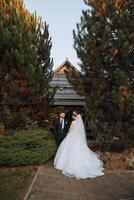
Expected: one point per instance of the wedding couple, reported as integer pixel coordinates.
(73, 156)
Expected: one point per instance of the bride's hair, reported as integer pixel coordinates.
(76, 111)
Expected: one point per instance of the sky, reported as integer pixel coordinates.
(61, 16)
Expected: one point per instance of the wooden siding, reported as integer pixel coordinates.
(65, 94)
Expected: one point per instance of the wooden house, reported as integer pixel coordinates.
(65, 94)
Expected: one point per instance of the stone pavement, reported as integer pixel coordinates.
(50, 184)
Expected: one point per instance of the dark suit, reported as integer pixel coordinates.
(60, 133)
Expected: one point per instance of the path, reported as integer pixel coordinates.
(50, 184)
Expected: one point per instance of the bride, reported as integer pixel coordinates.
(74, 158)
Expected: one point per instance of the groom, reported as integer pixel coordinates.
(60, 128)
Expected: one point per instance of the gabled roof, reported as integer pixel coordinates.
(66, 63)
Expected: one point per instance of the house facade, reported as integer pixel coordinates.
(65, 94)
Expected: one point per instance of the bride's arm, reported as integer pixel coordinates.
(71, 126)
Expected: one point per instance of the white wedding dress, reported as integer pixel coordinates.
(74, 158)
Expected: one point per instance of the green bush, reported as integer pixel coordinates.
(119, 145)
(27, 147)
(105, 136)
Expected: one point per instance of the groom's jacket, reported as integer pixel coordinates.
(57, 128)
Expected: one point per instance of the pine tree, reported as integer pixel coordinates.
(25, 63)
(104, 43)
(44, 62)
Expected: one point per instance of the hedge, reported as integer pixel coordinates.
(27, 147)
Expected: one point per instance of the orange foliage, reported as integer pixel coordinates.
(119, 4)
(2, 128)
(23, 89)
(6, 15)
(103, 5)
(124, 92)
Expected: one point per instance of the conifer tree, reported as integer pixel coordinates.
(25, 63)
(104, 42)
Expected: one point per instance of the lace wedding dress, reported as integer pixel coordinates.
(74, 158)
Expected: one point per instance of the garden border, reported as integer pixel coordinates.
(31, 186)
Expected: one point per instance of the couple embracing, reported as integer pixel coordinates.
(61, 126)
(74, 158)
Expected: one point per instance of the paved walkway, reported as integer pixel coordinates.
(50, 184)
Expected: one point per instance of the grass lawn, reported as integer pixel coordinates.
(14, 182)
